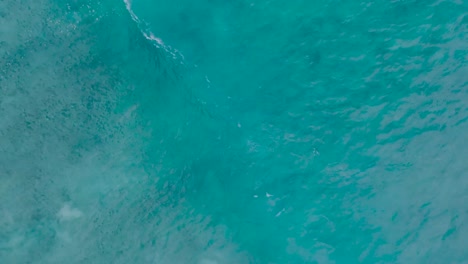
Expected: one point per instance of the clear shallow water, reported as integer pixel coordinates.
(233, 132)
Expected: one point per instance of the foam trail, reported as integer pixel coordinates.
(150, 36)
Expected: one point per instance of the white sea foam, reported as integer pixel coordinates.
(150, 36)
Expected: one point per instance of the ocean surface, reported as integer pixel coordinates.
(226, 132)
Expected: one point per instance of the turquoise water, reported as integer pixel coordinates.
(263, 131)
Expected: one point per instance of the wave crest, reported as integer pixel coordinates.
(159, 43)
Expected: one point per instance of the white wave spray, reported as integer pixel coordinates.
(150, 36)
